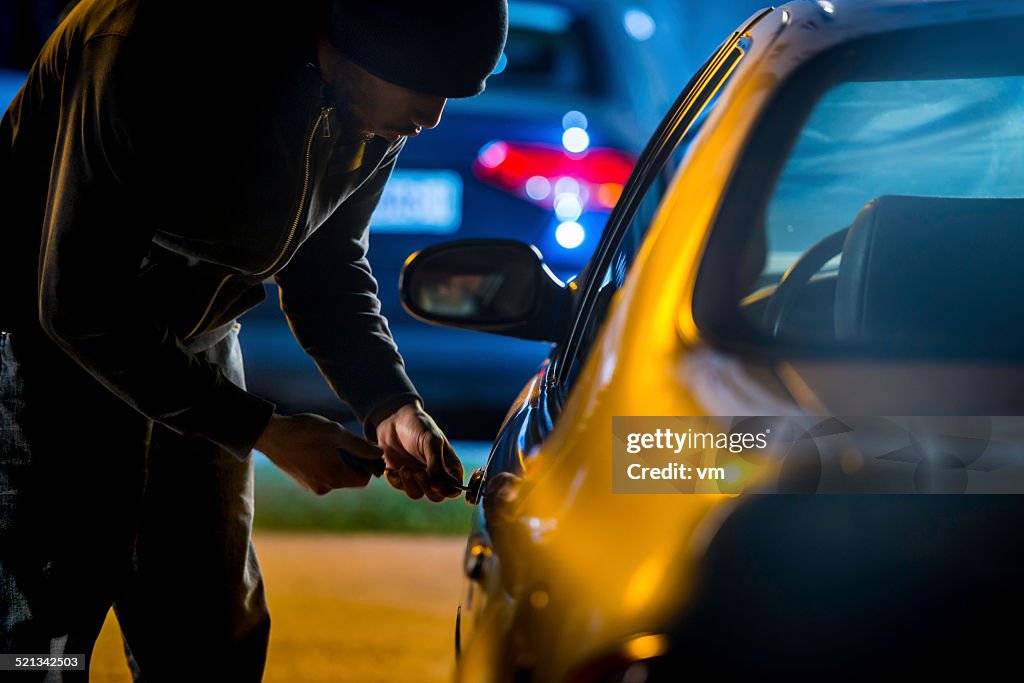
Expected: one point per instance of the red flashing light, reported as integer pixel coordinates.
(537, 172)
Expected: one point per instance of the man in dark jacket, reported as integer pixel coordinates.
(162, 161)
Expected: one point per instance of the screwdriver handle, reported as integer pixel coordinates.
(374, 468)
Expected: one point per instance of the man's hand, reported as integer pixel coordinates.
(419, 458)
(306, 447)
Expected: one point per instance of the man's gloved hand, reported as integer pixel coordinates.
(306, 447)
(420, 460)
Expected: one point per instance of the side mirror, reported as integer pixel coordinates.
(489, 285)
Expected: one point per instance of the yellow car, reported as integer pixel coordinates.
(828, 222)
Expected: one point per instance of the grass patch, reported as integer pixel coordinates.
(281, 504)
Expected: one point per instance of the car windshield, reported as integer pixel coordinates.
(886, 215)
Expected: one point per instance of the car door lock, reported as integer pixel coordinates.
(475, 488)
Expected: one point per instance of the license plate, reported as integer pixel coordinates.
(420, 201)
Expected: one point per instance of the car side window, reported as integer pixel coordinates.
(615, 273)
(628, 224)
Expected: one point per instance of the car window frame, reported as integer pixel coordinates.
(699, 92)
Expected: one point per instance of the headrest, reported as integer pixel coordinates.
(937, 274)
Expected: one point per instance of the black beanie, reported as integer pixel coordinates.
(440, 47)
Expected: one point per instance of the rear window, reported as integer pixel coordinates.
(548, 49)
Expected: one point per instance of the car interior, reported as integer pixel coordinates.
(937, 274)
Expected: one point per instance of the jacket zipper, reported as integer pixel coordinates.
(321, 119)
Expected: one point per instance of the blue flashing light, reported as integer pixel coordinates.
(575, 140)
(570, 234)
(639, 24)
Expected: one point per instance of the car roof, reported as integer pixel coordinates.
(800, 30)
(844, 19)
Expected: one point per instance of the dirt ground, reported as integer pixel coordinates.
(373, 609)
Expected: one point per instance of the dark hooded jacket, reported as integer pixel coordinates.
(162, 161)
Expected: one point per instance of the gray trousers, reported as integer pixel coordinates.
(100, 506)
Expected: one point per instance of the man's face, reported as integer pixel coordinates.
(373, 106)
(391, 111)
